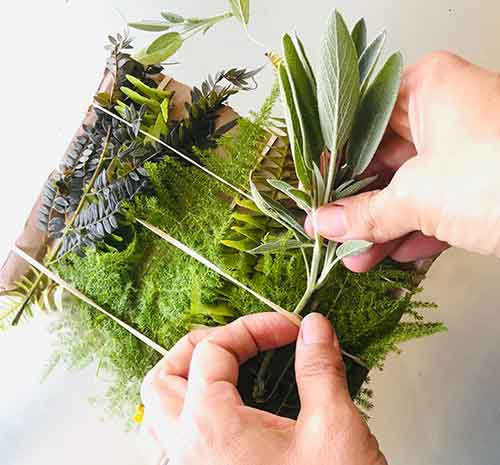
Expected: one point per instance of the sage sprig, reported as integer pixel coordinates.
(335, 120)
(177, 29)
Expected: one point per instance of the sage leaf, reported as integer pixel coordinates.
(354, 187)
(172, 18)
(359, 36)
(374, 114)
(319, 182)
(345, 250)
(352, 249)
(150, 26)
(276, 211)
(304, 97)
(338, 83)
(306, 63)
(241, 10)
(369, 60)
(301, 198)
(160, 49)
(278, 246)
(293, 127)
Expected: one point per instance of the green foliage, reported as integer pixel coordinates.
(181, 29)
(325, 118)
(162, 292)
(373, 116)
(338, 83)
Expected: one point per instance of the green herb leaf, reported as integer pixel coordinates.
(304, 97)
(276, 211)
(306, 63)
(294, 129)
(278, 246)
(161, 49)
(241, 10)
(352, 249)
(352, 187)
(359, 36)
(172, 18)
(369, 59)
(338, 83)
(150, 26)
(374, 115)
(302, 199)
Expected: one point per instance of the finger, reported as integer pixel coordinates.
(164, 387)
(393, 152)
(417, 246)
(216, 360)
(376, 216)
(319, 368)
(371, 258)
(400, 120)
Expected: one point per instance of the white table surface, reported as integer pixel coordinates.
(438, 404)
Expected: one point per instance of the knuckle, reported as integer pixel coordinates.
(434, 62)
(319, 365)
(368, 216)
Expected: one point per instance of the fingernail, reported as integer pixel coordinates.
(332, 221)
(308, 227)
(316, 329)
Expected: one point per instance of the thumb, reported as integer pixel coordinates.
(319, 368)
(377, 216)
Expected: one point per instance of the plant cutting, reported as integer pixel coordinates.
(170, 212)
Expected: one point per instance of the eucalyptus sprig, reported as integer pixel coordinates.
(335, 120)
(178, 29)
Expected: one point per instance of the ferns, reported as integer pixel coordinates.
(46, 298)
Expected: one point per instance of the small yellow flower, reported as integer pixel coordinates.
(139, 414)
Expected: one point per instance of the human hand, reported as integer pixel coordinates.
(439, 165)
(196, 414)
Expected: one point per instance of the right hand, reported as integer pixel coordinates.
(440, 160)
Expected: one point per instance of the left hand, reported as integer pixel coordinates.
(194, 411)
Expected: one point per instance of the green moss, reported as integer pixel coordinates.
(161, 291)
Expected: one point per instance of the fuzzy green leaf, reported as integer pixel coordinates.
(305, 100)
(150, 26)
(369, 60)
(160, 50)
(352, 249)
(294, 130)
(374, 114)
(302, 199)
(241, 10)
(359, 36)
(338, 83)
(276, 211)
(353, 187)
(172, 18)
(279, 246)
(305, 61)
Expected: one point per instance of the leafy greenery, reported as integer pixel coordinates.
(161, 291)
(181, 29)
(326, 117)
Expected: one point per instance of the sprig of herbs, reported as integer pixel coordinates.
(335, 121)
(178, 29)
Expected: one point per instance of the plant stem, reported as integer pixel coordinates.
(315, 263)
(330, 178)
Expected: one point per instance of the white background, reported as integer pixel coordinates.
(437, 404)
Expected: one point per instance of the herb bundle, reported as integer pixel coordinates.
(235, 193)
